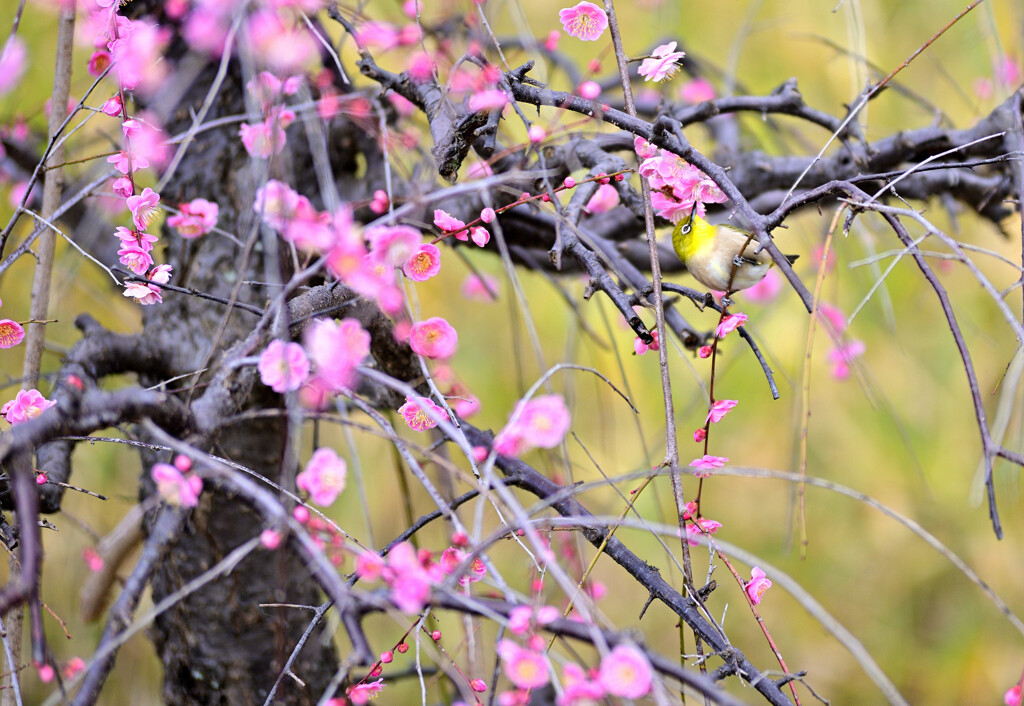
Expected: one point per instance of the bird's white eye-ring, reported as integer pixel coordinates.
(685, 230)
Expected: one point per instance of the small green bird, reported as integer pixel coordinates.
(709, 251)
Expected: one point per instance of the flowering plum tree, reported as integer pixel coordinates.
(300, 232)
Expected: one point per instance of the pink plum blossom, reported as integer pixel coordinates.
(283, 366)
(604, 199)
(409, 580)
(198, 217)
(134, 257)
(1012, 697)
(265, 139)
(697, 91)
(138, 55)
(465, 405)
(729, 324)
(175, 487)
(718, 410)
(423, 263)
(393, 245)
(13, 61)
(369, 566)
(452, 557)
(662, 64)
(323, 477)
(757, 585)
(144, 208)
(122, 186)
(525, 668)
(483, 288)
(420, 413)
(590, 90)
(366, 692)
(833, 317)
(585, 21)
(626, 672)
(540, 422)
(99, 62)
(536, 134)
(276, 202)
(112, 106)
(270, 538)
(479, 236)
(434, 338)
(700, 527)
(766, 290)
(336, 349)
(125, 163)
(578, 688)
(26, 405)
(843, 355)
(149, 294)
(11, 333)
(704, 466)
(450, 224)
(286, 48)
(380, 202)
(639, 347)
(491, 99)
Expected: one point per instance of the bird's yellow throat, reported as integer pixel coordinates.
(696, 242)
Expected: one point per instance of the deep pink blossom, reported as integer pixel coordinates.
(626, 672)
(99, 62)
(364, 693)
(112, 106)
(718, 410)
(700, 527)
(369, 566)
(270, 538)
(662, 64)
(757, 585)
(198, 217)
(336, 349)
(450, 224)
(145, 241)
(639, 347)
(420, 413)
(585, 21)
(26, 405)
(122, 186)
(175, 487)
(703, 467)
(833, 317)
(138, 56)
(729, 324)
(1012, 697)
(434, 338)
(283, 366)
(465, 405)
(525, 668)
(423, 264)
(267, 138)
(536, 134)
(276, 202)
(450, 560)
(11, 333)
(323, 477)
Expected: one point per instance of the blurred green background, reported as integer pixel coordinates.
(901, 429)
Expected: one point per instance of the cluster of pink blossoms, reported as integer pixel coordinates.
(677, 187)
(624, 672)
(541, 422)
(28, 404)
(175, 484)
(844, 351)
(134, 49)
